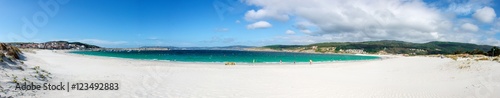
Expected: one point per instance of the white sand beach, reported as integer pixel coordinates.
(397, 77)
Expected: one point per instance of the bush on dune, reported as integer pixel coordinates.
(484, 58)
(2, 54)
(3, 46)
(229, 63)
(12, 51)
(13, 54)
(454, 57)
(15, 49)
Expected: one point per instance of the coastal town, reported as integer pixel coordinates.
(58, 45)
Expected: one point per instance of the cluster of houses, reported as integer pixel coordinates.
(49, 45)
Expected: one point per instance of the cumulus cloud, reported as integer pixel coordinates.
(306, 31)
(365, 20)
(289, 32)
(253, 15)
(386, 19)
(465, 7)
(469, 27)
(259, 25)
(486, 14)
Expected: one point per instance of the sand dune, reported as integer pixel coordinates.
(396, 77)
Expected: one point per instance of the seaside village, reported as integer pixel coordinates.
(49, 45)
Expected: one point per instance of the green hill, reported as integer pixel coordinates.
(392, 46)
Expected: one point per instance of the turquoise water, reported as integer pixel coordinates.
(226, 56)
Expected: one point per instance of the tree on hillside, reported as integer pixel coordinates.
(476, 51)
(494, 51)
(458, 52)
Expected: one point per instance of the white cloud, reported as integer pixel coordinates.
(259, 25)
(469, 27)
(102, 42)
(253, 15)
(306, 31)
(486, 14)
(237, 21)
(365, 20)
(386, 19)
(465, 7)
(289, 32)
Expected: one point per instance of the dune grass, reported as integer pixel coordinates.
(453, 57)
(483, 59)
(229, 63)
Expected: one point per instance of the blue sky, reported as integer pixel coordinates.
(134, 23)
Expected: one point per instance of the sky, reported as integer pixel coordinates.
(188, 23)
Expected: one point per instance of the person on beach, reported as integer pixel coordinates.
(310, 62)
(281, 62)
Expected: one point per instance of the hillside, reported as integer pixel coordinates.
(386, 46)
(234, 47)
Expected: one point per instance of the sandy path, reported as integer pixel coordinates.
(397, 77)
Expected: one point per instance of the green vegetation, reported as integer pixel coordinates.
(84, 44)
(279, 47)
(494, 51)
(14, 79)
(398, 47)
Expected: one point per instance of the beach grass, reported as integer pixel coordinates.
(453, 57)
(483, 59)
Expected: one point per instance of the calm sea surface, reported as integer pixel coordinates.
(226, 56)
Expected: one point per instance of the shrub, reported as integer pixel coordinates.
(454, 57)
(484, 58)
(13, 54)
(41, 76)
(2, 54)
(36, 67)
(3, 46)
(15, 81)
(230, 63)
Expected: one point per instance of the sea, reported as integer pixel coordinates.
(228, 56)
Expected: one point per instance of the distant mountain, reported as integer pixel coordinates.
(234, 47)
(391, 46)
